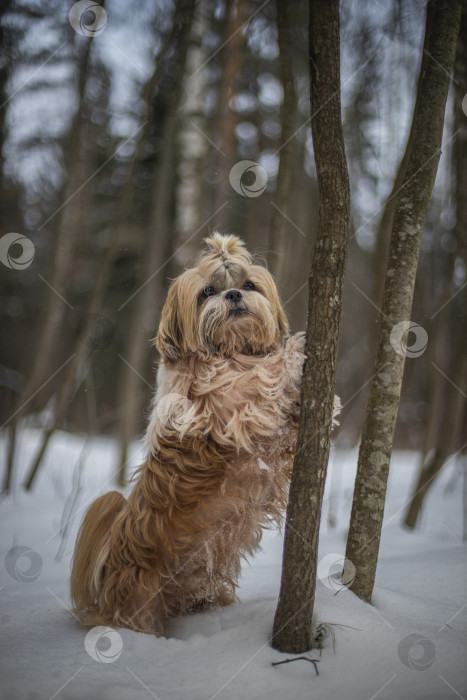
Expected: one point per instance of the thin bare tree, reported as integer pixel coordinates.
(192, 142)
(154, 255)
(292, 625)
(442, 26)
(281, 203)
(225, 118)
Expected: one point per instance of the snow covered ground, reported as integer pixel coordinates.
(410, 644)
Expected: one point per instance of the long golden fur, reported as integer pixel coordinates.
(220, 442)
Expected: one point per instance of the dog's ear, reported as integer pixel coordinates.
(269, 289)
(282, 321)
(169, 338)
(176, 333)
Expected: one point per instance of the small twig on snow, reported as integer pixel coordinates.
(298, 658)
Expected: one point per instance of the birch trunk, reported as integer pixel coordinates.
(292, 625)
(192, 144)
(442, 25)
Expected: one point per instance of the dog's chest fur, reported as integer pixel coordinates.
(239, 403)
(247, 409)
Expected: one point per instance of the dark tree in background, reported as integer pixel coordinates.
(288, 154)
(292, 624)
(446, 432)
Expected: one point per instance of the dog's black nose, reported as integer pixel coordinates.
(233, 295)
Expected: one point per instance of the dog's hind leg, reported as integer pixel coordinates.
(92, 547)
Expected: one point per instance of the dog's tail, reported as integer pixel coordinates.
(91, 550)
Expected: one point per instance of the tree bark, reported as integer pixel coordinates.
(10, 215)
(442, 25)
(226, 118)
(192, 144)
(383, 238)
(292, 625)
(278, 242)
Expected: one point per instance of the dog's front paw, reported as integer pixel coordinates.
(295, 352)
(296, 343)
(294, 355)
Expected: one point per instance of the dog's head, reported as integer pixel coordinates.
(224, 306)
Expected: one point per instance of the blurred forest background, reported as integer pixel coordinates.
(120, 126)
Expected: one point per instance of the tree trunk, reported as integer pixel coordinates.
(192, 144)
(442, 26)
(226, 118)
(153, 256)
(383, 237)
(278, 242)
(10, 215)
(444, 401)
(451, 432)
(292, 625)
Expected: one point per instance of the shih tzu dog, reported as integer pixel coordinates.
(220, 442)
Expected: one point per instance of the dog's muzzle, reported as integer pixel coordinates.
(235, 302)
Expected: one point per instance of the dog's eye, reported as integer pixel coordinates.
(249, 286)
(209, 291)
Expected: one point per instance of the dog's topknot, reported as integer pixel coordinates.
(222, 246)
